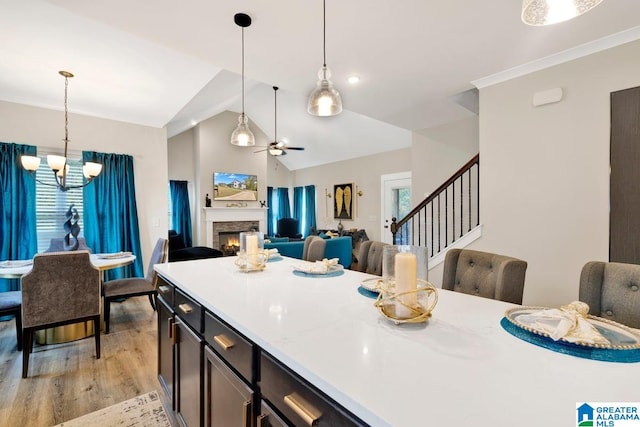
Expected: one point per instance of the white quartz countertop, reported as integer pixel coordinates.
(459, 368)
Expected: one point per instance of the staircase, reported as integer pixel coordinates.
(447, 216)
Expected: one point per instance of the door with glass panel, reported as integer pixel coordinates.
(395, 200)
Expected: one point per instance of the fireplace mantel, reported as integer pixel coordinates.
(219, 214)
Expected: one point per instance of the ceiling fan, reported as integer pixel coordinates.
(277, 148)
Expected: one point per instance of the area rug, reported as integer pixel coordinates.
(142, 411)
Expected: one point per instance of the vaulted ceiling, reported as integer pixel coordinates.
(167, 63)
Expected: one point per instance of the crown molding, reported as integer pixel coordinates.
(586, 49)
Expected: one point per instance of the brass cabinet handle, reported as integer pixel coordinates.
(224, 341)
(304, 409)
(174, 332)
(164, 289)
(185, 308)
(246, 414)
(262, 420)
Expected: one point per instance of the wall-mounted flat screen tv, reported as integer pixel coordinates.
(235, 186)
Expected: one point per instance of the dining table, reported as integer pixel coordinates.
(459, 367)
(15, 269)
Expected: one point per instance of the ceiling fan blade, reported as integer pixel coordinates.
(294, 148)
(260, 151)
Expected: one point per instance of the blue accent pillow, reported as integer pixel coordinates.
(324, 236)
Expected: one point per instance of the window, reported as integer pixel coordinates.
(52, 204)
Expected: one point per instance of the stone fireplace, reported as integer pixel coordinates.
(226, 234)
(221, 220)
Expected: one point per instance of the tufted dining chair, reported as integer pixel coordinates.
(11, 305)
(484, 274)
(135, 286)
(370, 257)
(62, 288)
(314, 248)
(611, 289)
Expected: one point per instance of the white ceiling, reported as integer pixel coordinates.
(169, 63)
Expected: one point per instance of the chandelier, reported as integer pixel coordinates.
(58, 164)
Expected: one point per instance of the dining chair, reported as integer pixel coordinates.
(611, 289)
(135, 286)
(314, 248)
(370, 257)
(62, 288)
(11, 305)
(484, 274)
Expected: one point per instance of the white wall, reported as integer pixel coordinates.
(148, 146)
(436, 153)
(365, 173)
(544, 180)
(214, 153)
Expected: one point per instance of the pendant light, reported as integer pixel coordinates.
(242, 135)
(325, 100)
(58, 164)
(275, 147)
(547, 12)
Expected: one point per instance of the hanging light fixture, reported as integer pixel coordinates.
(547, 12)
(58, 164)
(275, 149)
(325, 100)
(242, 135)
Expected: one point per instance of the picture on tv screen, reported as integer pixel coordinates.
(234, 186)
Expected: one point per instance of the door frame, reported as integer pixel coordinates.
(403, 178)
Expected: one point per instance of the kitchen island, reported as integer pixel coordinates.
(459, 368)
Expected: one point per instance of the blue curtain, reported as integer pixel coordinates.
(298, 210)
(18, 239)
(271, 217)
(284, 207)
(181, 210)
(309, 218)
(111, 213)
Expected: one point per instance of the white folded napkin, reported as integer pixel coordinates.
(318, 267)
(568, 322)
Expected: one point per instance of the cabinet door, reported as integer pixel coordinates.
(166, 355)
(188, 376)
(228, 400)
(268, 417)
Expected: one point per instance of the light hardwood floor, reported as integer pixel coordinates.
(67, 381)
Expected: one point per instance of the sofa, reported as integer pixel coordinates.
(337, 247)
(178, 252)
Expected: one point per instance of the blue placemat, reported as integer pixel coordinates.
(602, 354)
(275, 259)
(319, 276)
(367, 293)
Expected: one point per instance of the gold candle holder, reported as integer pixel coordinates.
(425, 297)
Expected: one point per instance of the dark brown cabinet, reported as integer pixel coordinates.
(166, 353)
(188, 376)
(228, 400)
(216, 377)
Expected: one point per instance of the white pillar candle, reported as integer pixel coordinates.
(251, 242)
(406, 271)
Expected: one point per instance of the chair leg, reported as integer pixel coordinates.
(107, 312)
(152, 302)
(26, 351)
(96, 333)
(19, 330)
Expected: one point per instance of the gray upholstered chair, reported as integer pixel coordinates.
(484, 274)
(611, 291)
(313, 249)
(370, 257)
(135, 286)
(62, 288)
(57, 244)
(11, 305)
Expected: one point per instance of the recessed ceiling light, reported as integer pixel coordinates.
(353, 79)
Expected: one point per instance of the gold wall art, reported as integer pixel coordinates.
(343, 201)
